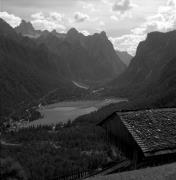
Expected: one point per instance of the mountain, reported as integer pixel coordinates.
(28, 71)
(87, 58)
(146, 77)
(161, 93)
(166, 86)
(124, 56)
(6, 30)
(58, 35)
(27, 29)
(152, 55)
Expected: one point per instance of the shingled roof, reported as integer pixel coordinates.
(153, 130)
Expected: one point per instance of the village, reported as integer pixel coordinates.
(20, 120)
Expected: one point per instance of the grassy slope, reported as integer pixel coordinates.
(165, 172)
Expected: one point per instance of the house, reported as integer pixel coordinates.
(143, 135)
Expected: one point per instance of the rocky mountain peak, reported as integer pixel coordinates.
(25, 27)
(6, 29)
(73, 32)
(54, 32)
(161, 37)
(103, 34)
(27, 24)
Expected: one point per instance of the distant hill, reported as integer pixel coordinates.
(124, 56)
(151, 73)
(86, 58)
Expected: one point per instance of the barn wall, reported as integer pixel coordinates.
(119, 135)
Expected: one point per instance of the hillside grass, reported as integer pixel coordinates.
(165, 172)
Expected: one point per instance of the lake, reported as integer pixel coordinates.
(70, 110)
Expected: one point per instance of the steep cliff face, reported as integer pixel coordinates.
(103, 51)
(165, 88)
(6, 30)
(87, 58)
(150, 77)
(152, 55)
(124, 56)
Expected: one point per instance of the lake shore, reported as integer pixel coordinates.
(64, 111)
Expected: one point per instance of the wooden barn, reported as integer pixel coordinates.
(143, 135)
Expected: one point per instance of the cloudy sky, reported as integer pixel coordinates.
(126, 22)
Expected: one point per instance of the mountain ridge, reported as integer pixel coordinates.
(143, 76)
(90, 58)
(28, 71)
(32, 67)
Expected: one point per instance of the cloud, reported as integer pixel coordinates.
(54, 16)
(122, 9)
(88, 6)
(106, 2)
(10, 19)
(85, 32)
(122, 6)
(49, 22)
(127, 42)
(102, 23)
(171, 3)
(40, 4)
(38, 15)
(80, 17)
(164, 20)
(115, 18)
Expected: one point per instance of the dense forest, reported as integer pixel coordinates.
(44, 153)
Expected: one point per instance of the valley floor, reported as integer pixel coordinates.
(70, 110)
(165, 172)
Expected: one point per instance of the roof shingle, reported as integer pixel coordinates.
(153, 130)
